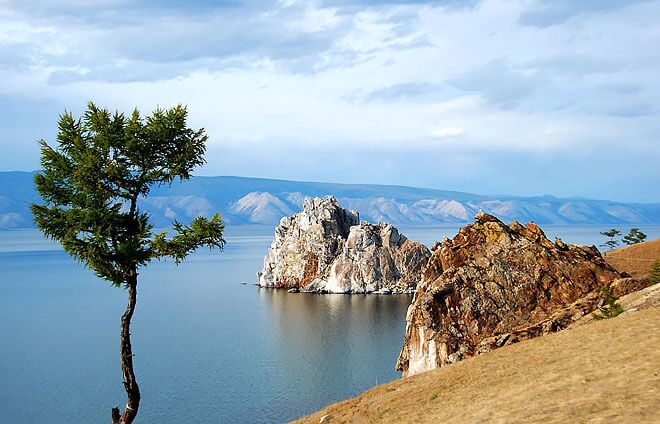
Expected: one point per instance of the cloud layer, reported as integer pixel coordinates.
(520, 97)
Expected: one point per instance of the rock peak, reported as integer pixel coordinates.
(311, 203)
(482, 217)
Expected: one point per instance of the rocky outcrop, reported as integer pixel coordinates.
(324, 248)
(306, 244)
(494, 284)
(376, 258)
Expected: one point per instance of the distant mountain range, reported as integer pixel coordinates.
(262, 201)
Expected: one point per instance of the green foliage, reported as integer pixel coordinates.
(201, 231)
(611, 233)
(654, 277)
(610, 244)
(610, 308)
(92, 181)
(634, 236)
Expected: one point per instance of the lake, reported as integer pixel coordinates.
(208, 349)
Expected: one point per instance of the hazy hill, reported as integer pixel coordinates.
(262, 201)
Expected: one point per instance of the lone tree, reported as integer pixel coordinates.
(610, 308)
(634, 236)
(611, 234)
(91, 184)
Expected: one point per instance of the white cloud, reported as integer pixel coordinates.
(316, 20)
(445, 132)
(300, 76)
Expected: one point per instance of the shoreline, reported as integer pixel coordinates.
(584, 373)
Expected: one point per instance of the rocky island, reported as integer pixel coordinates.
(325, 248)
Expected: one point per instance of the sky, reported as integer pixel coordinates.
(512, 97)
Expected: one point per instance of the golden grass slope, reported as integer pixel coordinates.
(607, 371)
(636, 260)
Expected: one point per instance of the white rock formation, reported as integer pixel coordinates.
(324, 249)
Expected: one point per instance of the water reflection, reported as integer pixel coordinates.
(326, 345)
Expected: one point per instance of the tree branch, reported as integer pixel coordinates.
(201, 232)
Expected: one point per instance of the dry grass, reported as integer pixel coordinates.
(636, 260)
(607, 371)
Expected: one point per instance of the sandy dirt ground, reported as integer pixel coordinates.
(636, 260)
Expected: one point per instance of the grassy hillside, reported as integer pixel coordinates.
(637, 259)
(607, 371)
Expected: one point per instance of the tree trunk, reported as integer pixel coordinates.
(126, 354)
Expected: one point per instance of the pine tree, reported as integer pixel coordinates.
(610, 308)
(654, 277)
(91, 184)
(611, 234)
(634, 236)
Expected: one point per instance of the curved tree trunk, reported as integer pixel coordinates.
(130, 384)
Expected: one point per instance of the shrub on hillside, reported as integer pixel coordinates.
(654, 277)
(610, 307)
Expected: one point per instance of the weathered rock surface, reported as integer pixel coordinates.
(495, 284)
(324, 248)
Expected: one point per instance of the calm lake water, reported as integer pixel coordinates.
(208, 349)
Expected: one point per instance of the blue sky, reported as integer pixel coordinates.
(497, 96)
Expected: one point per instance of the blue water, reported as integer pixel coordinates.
(208, 349)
